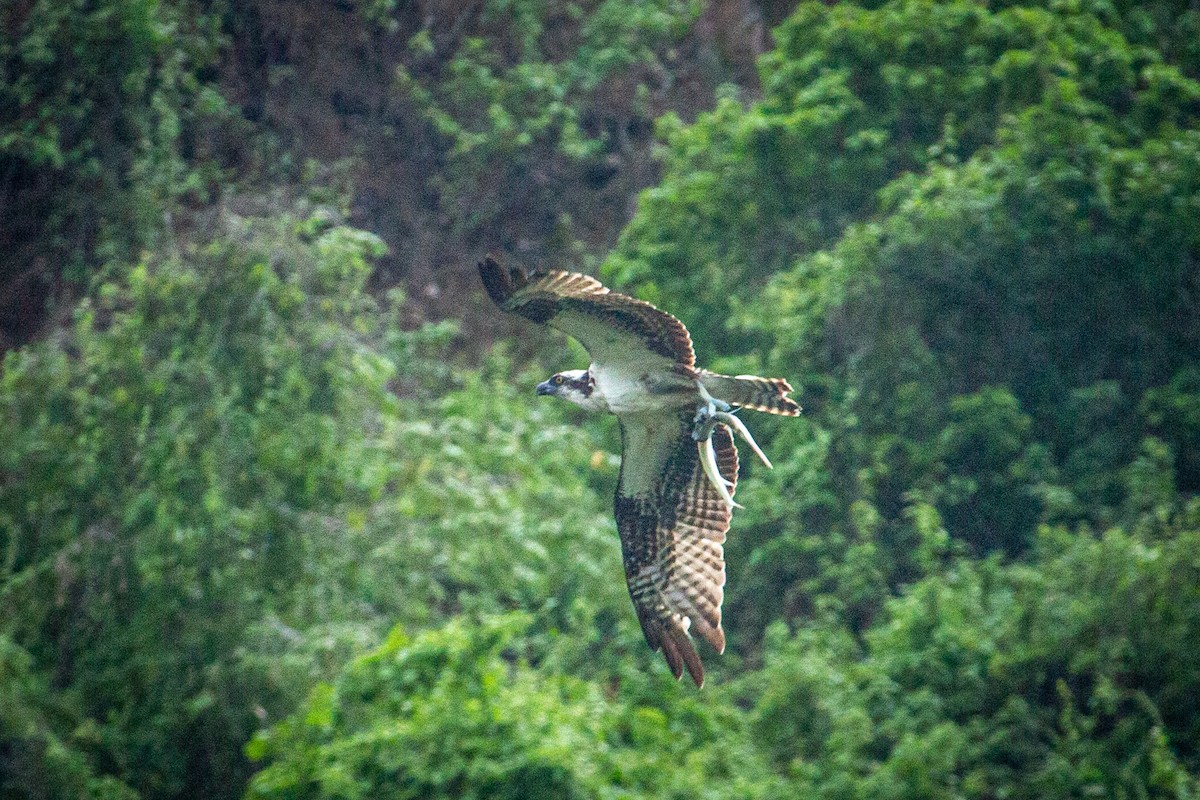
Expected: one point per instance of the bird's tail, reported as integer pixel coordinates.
(752, 392)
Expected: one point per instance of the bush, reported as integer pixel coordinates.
(458, 712)
(161, 465)
(1052, 680)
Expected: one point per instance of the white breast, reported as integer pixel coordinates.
(642, 389)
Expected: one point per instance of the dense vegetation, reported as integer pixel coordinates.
(267, 532)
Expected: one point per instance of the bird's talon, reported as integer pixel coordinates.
(704, 421)
(709, 414)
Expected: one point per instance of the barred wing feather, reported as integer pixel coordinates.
(613, 327)
(672, 524)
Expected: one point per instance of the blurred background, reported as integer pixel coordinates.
(280, 516)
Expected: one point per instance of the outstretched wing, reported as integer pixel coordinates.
(616, 329)
(672, 524)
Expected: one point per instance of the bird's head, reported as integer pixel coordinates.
(575, 386)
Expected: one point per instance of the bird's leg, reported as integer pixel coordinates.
(706, 420)
(713, 411)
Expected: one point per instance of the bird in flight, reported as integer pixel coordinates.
(679, 465)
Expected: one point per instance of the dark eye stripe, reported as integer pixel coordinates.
(582, 384)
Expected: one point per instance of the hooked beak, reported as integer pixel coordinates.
(547, 387)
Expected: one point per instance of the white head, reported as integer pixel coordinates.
(576, 386)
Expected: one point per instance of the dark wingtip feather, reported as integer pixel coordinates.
(496, 280)
(691, 658)
(671, 654)
(717, 639)
(679, 652)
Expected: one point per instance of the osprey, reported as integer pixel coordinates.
(679, 464)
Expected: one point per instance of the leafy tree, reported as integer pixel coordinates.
(161, 461)
(524, 94)
(102, 108)
(35, 761)
(855, 97)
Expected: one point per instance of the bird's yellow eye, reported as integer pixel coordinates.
(558, 379)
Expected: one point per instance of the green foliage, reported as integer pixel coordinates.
(98, 103)
(1173, 411)
(457, 712)
(855, 98)
(509, 99)
(435, 717)
(162, 464)
(987, 681)
(967, 233)
(953, 225)
(36, 761)
(211, 499)
(964, 222)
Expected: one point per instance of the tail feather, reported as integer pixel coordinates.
(752, 392)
